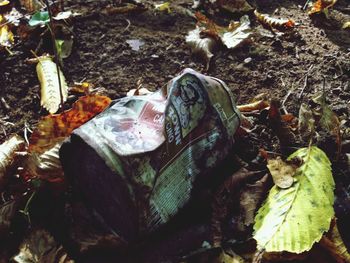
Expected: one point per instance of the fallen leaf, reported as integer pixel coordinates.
(40, 246)
(31, 5)
(334, 244)
(46, 166)
(7, 212)
(237, 33)
(280, 24)
(163, 7)
(346, 25)
(282, 172)
(256, 105)
(230, 257)
(53, 129)
(81, 87)
(321, 6)
(252, 195)
(306, 123)
(6, 36)
(41, 18)
(223, 200)
(201, 46)
(293, 219)
(65, 15)
(8, 156)
(52, 94)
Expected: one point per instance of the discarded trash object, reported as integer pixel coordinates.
(137, 162)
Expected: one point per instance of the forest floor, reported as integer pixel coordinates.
(290, 68)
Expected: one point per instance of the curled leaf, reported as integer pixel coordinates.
(8, 155)
(55, 128)
(53, 92)
(293, 219)
(280, 24)
(201, 46)
(237, 32)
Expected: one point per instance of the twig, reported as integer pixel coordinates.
(306, 4)
(305, 81)
(50, 26)
(286, 98)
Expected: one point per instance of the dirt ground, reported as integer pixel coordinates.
(317, 48)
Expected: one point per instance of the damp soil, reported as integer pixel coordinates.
(116, 52)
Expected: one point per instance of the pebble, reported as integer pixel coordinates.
(248, 60)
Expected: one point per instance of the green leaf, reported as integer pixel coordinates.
(294, 219)
(40, 18)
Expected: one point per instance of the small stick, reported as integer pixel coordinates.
(286, 98)
(306, 4)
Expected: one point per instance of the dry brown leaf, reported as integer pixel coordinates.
(8, 155)
(321, 6)
(277, 23)
(252, 195)
(282, 172)
(31, 5)
(52, 94)
(45, 166)
(53, 129)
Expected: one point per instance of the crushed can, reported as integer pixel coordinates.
(136, 163)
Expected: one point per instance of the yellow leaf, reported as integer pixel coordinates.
(50, 88)
(4, 2)
(163, 7)
(6, 36)
(346, 25)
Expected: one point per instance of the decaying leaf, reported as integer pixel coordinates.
(163, 7)
(281, 24)
(321, 6)
(251, 197)
(52, 93)
(45, 166)
(237, 32)
(54, 128)
(207, 35)
(201, 46)
(40, 246)
(223, 200)
(334, 244)
(293, 219)
(306, 123)
(8, 155)
(7, 212)
(282, 172)
(31, 5)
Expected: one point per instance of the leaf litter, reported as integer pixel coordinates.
(44, 143)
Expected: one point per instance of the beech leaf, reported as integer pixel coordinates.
(293, 219)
